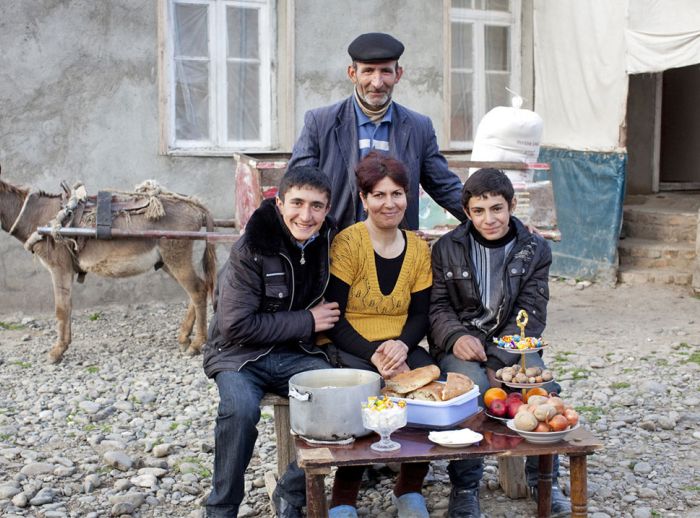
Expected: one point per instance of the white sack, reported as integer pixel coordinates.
(509, 134)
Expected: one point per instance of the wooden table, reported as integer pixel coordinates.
(415, 447)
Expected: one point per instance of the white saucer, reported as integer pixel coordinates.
(455, 438)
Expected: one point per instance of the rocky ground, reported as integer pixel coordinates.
(124, 426)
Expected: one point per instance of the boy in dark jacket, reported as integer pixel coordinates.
(268, 308)
(484, 272)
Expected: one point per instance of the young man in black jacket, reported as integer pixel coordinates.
(484, 272)
(269, 306)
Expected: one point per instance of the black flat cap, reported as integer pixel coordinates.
(375, 46)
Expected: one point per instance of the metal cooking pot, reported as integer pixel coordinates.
(325, 404)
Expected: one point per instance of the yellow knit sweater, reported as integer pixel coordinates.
(374, 315)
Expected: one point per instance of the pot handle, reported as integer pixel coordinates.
(298, 395)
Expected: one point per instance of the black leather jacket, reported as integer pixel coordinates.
(455, 297)
(255, 291)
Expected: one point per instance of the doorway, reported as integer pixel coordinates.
(663, 131)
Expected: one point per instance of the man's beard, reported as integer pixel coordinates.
(364, 97)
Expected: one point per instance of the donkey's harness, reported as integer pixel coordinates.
(75, 204)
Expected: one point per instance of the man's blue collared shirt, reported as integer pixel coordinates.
(371, 136)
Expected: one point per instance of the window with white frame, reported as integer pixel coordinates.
(219, 75)
(484, 61)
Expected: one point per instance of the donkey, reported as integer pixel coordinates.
(21, 214)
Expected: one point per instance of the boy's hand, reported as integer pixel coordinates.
(469, 348)
(325, 315)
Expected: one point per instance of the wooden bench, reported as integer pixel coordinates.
(285, 443)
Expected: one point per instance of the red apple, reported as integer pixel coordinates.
(514, 395)
(512, 406)
(498, 408)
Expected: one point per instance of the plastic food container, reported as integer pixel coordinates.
(443, 414)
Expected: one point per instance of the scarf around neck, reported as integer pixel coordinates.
(374, 115)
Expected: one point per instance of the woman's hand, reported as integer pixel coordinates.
(395, 353)
(380, 359)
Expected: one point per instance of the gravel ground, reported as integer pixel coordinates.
(124, 426)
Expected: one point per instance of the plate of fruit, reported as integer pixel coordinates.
(501, 405)
(544, 420)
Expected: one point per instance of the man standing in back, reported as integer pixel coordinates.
(336, 137)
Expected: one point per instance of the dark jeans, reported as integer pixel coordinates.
(240, 393)
(467, 473)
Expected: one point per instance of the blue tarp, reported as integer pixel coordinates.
(589, 190)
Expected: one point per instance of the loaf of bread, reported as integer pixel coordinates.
(409, 381)
(431, 392)
(456, 385)
(390, 393)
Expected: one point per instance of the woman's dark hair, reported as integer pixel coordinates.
(376, 166)
(493, 182)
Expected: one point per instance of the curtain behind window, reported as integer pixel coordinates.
(191, 49)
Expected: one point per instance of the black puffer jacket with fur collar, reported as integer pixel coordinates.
(255, 290)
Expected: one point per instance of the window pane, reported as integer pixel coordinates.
(465, 4)
(461, 107)
(191, 100)
(496, 93)
(242, 25)
(497, 5)
(243, 101)
(191, 30)
(497, 46)
(462, 48)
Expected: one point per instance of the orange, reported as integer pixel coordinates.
(494, 393)
(536, 391)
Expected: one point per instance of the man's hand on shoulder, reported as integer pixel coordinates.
(532, 229)
(469, 348)
(325, 316)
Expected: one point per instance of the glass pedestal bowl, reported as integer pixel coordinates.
(384, 422)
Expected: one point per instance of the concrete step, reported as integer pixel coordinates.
(665, 224)
(629, 275)
(649, 253)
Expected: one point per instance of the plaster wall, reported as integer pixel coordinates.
(79, 102)
(325, 29)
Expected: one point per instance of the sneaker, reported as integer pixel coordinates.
(561, 506)
(464, 503)
(410, 505)
(284, 509)
(342, 511)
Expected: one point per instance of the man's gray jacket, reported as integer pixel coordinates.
(329, 141)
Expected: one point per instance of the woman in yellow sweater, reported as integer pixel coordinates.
(380, 278)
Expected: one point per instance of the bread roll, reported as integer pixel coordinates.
(408, 381)
(431, 392)
(457, 384)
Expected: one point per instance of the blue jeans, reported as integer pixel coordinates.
(467, 473)
(240, 393)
